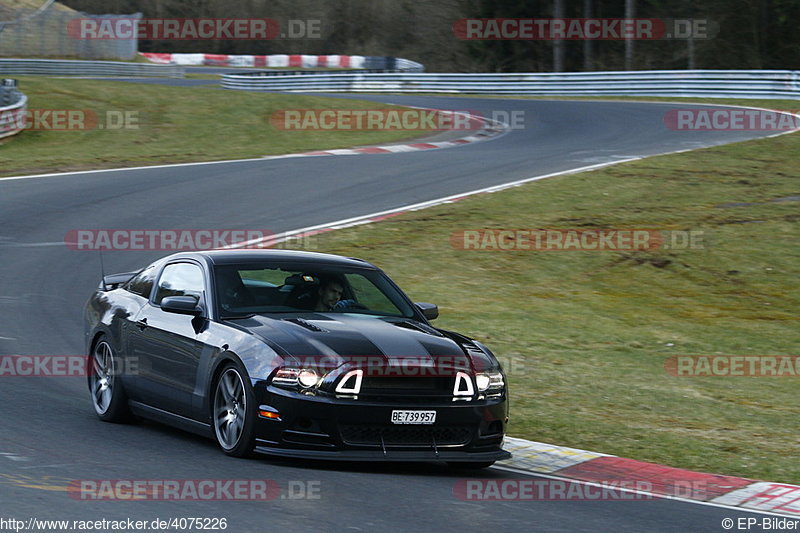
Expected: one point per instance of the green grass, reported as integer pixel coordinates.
(585, 335)
(201, 76)
(175, 125)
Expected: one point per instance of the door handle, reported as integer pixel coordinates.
(141, 324)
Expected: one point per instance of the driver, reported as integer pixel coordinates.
(329, 293)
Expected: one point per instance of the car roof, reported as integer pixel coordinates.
(237, 256)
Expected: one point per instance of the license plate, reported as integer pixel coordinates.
(413, 417)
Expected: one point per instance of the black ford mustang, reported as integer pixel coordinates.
(292, 353)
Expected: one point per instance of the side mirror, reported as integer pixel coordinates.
(429, 311)
(182, 305)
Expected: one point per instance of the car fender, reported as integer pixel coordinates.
(246, 351)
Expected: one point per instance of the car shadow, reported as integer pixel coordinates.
(395, 468)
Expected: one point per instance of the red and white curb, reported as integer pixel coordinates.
(541, 457)
(489, 130)
(585, 466)
(270, 61)
(779, 498)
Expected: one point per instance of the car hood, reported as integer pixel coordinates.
(341, 337)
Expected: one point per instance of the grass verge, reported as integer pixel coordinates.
(173, 125)
(585, 335)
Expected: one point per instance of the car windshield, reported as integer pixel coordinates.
(291, 288)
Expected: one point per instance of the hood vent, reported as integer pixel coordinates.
(417, 327)
(306, 324)
(472, 348)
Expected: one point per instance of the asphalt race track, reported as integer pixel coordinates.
(49, 434)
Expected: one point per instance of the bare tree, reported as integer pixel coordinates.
(630, 12)
(558, 44)
(587, 43)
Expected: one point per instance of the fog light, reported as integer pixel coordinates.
(269, 413)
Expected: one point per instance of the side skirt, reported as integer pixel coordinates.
(171, 419)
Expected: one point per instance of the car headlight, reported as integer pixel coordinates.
(305, 378)
(490, 382)
(308, 378)
(286, 377)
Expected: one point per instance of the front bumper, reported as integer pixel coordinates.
(324, 427)
(388, 455)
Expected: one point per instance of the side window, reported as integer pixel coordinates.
(142, 283)
(180, 279)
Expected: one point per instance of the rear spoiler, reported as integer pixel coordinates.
(114, 281)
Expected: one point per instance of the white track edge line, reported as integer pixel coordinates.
(635, 491)
(366, 219)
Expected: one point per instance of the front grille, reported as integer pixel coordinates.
(362, 435)
(431, 385)
(410, 383)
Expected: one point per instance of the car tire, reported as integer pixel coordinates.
(107, 392)
(233, 412)
(470, 466)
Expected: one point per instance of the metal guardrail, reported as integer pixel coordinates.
(669, 83)
(67, 67)
(13, 108)
(311, 72)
